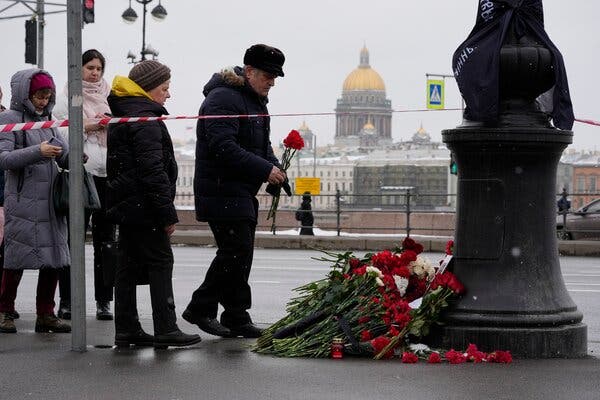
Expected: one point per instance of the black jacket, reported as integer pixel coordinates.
(233, 155)
(141, 167)
(304, 213)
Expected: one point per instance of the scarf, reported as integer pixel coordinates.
(94, 103)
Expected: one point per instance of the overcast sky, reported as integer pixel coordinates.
(321, 40)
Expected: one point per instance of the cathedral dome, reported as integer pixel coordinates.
(364, 77)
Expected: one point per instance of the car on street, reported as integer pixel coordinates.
(582, 224)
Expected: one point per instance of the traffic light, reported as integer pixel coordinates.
(88, 11)
(31, 41)
(453, 166)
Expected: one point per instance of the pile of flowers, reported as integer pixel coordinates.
(370, 303)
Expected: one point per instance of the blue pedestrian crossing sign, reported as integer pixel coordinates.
(435, 94)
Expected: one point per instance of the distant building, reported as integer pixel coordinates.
(363, 105)
(388, 175)
(184, 156)
(307, 135)
(586, 179)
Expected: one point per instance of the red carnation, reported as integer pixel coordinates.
(449, 280)
(434, 358)
(364, 320)
(416, 288)
(365, 335)
(294, 140)
(409, 358)
(354, 262)
(292, 143)
(450, 247)
(402, 271)
(473, 354)
(360, 270)
(407, 256)
(401, 319)
(393, 331)
(500, 356)
(454, 284)
(410, 244)
(384, 260)
(455, 357)
(379, 344)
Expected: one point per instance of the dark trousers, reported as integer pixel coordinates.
(102, 231)
(46, 287)
(149, 249)
(226, 280)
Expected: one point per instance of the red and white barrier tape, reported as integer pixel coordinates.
(25, 126)
(588, 121)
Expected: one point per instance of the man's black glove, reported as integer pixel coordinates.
(275, 190)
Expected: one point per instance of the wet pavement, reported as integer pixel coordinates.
(42, 366)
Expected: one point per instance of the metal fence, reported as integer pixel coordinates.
(405, 213)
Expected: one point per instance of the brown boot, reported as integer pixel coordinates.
(7, 325)
(50, 323)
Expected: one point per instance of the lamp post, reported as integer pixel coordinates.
(130, 16)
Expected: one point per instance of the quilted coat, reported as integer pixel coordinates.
(35, 236)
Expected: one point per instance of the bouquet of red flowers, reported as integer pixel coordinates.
(366, 300)
(292, 143)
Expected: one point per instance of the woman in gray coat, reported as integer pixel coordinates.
(35, 237)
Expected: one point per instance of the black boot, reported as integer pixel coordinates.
(139, 338)
(103, 311)
(208, 325)
(247, 330)
(64, 310)
(14, 314)
(175, 339)
(50, 323)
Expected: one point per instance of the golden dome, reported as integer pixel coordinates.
(364, 77)
(304, 127)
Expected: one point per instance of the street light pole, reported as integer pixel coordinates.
(129, 16)
(143, 52)
(40, 41)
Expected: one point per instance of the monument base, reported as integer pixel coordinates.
(567, 341)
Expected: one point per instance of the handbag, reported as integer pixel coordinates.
(113, 258)
(60, 192)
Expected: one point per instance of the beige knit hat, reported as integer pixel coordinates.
(149, 74)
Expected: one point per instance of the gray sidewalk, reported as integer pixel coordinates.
(41, 366)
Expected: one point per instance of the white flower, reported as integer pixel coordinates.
(379, 282)
(419, 348)
(376, 271)
(421, 267)
(430, 271)
(401, 284)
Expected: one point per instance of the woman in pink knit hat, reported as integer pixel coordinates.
(34, 236)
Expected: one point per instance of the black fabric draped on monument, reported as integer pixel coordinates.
(476, 62)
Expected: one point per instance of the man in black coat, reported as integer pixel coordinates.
(234, 158)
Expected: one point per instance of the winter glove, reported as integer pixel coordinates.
(275, 190)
